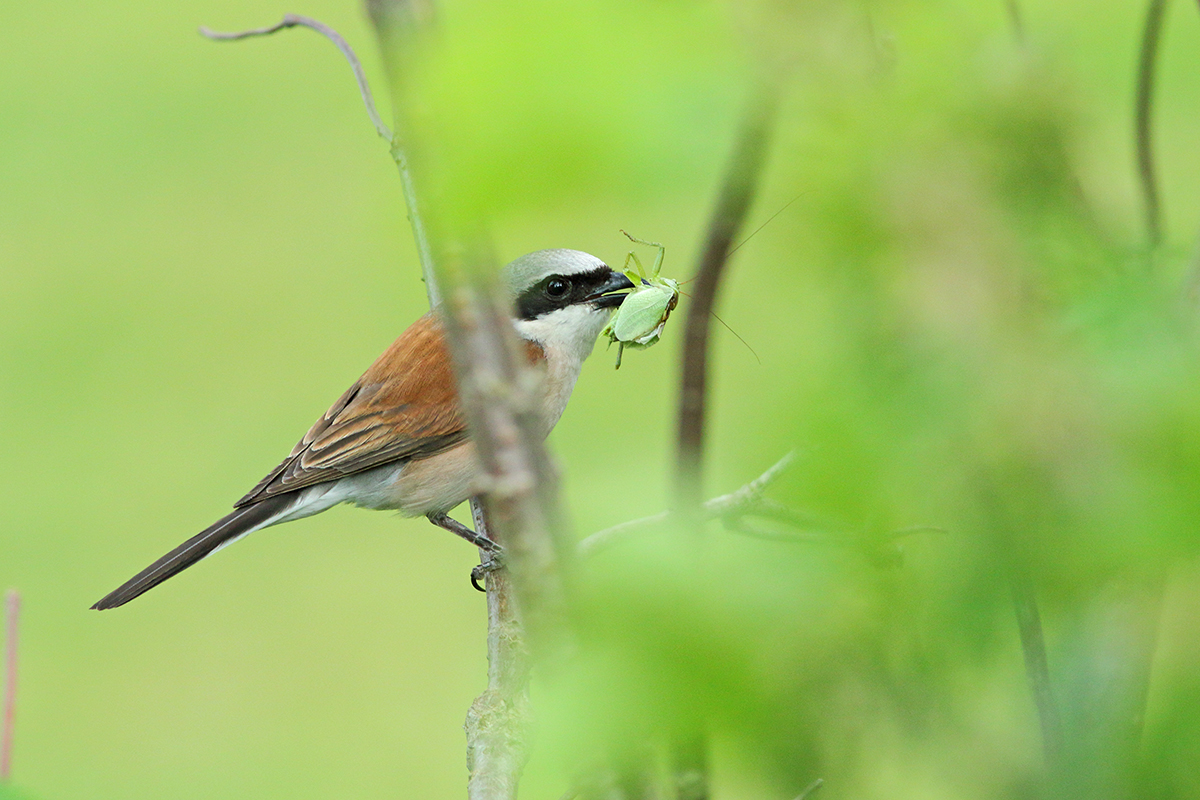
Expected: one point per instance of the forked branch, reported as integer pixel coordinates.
(742, 510)
(294, 20)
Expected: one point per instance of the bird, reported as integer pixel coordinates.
(397, 439)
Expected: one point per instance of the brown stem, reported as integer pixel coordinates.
(498, 400)
(690, 753)
(737, 192)
(12, 610)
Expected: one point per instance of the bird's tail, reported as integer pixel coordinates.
(224, 531)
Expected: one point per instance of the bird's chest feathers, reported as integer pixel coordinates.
(558, 379)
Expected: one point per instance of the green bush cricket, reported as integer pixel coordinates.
(639, 320)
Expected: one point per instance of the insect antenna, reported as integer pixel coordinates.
(768, 222)
(739, 338)
(731, 330)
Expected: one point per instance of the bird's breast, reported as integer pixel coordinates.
(420, 486)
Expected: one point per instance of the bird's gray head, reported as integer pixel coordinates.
(563, 298)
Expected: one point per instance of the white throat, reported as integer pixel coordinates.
(566, 336)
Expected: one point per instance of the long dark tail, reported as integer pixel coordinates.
(241, 522)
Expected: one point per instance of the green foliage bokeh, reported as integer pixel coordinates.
(958, 325)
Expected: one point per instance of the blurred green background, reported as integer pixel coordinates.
(959, 324)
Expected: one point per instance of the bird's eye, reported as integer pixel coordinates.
(558, 287)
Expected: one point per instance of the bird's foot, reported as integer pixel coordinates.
(494, 553)
(492, 561)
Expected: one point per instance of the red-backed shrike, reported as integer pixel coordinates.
(397, 439)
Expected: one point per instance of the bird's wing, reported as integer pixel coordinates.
(404, 406)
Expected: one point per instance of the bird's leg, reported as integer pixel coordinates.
(454, 526)
(492, 561)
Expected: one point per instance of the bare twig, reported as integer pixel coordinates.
(12, 610)
(293, 20)
(719, 507)
(395, 140)
(499, 397)
(811, 789)
(401, 26)
(496, 398)
(1147, 62)
(736, 509)
(741, 178)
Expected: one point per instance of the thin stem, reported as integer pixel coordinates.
(811, 789)
(488, 362)
(726, 505)
(1151, 35)
(417, 222)
(12, 610)
(1037, 669)
(293, 20)
(737, 192)
(396, 149)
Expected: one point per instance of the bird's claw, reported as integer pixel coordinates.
(492, 562)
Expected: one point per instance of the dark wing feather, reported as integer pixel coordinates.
(227, 528)
(404, 406)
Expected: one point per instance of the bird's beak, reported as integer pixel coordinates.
(611, 293)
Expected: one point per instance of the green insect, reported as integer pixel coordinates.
(639, 320)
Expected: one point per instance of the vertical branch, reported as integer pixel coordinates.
(501, 399)
(498, 722)
(741, 178)
(12, 610)
(690, 752)
(1151, 34)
